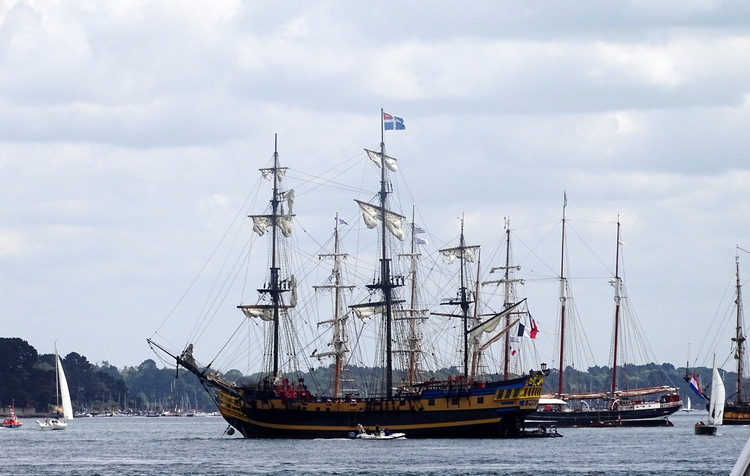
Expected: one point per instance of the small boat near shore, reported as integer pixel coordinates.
(12, 421)
(63, 397)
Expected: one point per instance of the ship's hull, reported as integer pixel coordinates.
(495, 411)
(736, 414)
(604, 418)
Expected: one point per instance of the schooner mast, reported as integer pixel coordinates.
(563, 302)
(617, 283)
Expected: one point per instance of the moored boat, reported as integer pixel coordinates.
(611, 407)
(277, 401)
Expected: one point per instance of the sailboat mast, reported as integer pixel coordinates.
(563, 299)
(617, 311)
(739, 334)
(274, 283)
(57, 377)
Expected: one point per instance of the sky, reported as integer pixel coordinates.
(132, 131)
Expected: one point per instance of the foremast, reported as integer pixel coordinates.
(617, 283)
(271, 302)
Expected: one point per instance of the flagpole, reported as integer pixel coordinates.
(382, 133)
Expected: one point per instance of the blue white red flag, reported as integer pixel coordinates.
(695, 386)
(391, 123)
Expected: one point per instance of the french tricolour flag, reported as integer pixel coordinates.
(393, 123)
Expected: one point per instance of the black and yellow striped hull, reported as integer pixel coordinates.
(496, 410)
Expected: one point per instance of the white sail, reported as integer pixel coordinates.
(64, 391)
(491, 324)
(262, 222)
(468, 253)
(390, 162)
(718, 395)
(372, 213)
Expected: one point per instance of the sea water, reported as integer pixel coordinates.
(199, 446)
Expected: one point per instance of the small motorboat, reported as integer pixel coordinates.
(12, 421)
(377, 434)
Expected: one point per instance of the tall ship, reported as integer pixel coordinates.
(283, 399)
(605, 407)
(737, 409)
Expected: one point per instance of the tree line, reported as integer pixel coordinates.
(28, 378)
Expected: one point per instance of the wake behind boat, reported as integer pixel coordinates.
(284, 399)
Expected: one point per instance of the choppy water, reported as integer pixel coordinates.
(196, 446)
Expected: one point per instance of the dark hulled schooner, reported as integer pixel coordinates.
(272, 405)
(614, 406)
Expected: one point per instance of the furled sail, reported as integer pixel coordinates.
(262, 311)
(262, 222)
(365, 310)
(372, 213)
(491, 324)
(467, 253)
(269, 172)
(377, 157)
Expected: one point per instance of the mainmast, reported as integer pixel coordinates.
(618, 296)
(739, 337)
(563, 302)
(386, 283)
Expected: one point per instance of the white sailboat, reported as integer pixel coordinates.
(715, 408)
(63, 396)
